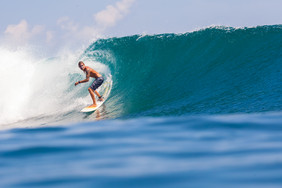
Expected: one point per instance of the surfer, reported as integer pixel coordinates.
(97, 82)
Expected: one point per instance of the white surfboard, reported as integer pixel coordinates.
(104, 90)
(91, 109)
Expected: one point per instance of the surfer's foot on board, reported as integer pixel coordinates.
(101, 99)
(92, 106)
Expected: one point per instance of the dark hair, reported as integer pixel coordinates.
(79, 63)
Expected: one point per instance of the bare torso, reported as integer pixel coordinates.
(92, 73)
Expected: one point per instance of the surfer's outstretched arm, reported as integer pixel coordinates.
(85, 80)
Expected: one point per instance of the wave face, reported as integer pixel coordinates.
(214, 70)
(217, 70)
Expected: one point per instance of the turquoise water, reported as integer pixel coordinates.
(215, 70)
(200, 109)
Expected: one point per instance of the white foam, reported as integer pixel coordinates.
(32, 87)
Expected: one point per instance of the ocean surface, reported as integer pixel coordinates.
(198, 109)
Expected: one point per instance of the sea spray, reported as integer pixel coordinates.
(33, 87)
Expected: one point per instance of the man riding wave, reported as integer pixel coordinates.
(97, 82)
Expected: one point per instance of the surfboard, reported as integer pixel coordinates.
(104, 90)
(91, 109)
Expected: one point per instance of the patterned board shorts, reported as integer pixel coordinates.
(97, 83)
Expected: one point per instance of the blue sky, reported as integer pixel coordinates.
(59, 22)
